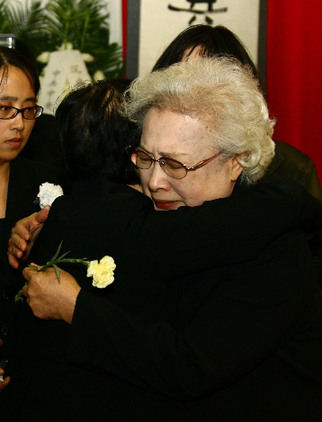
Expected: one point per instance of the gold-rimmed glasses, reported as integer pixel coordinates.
(173, 168)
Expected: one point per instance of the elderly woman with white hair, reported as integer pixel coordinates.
(214, 313)
(208, 114)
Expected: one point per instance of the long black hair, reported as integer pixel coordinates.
(93, 135)
(217, 40)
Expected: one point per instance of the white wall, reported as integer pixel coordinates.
(159, 26)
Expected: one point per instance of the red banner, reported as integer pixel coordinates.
(124, 27)
(294, 74)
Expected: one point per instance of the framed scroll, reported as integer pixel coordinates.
(153, 24)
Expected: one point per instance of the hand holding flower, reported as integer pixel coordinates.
(51, 292)
(102, 272)
(48, 297)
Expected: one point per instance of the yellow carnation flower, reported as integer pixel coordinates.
(102, 271)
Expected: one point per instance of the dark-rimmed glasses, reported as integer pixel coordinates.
(173, 168)
(29, 113)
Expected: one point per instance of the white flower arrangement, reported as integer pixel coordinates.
(48, 192)
(102, 271)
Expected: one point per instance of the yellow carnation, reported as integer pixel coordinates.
(102, 272)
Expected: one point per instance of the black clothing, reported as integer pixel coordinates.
(44, 144)
(290, 164)
(24, 181)
(214, 313)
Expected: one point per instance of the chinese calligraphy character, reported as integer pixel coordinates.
(195, 12)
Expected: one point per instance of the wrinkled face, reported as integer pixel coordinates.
(186, 139)
(16, 90)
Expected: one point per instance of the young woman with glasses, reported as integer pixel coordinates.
(19, 178)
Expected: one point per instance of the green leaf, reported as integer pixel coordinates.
(57, 252)
(33, 267)
(79, 22)
(62, 256)
(57, 271)
(19, 297)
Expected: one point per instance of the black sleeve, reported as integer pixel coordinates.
(237, 318)
(225, 231)
(220, 232)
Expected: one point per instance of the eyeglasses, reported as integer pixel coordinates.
(29, 113)
(173, 168)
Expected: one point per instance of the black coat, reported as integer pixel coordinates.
(214, 313)
(24, 181)
(25, 178)
(291, 164)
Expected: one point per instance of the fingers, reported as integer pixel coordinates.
(16, 249)
(13, 262)
(23, 235)
(42, 215)
(48, 297)
(18, 242)
(28, 273)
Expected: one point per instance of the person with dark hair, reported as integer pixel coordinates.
(90, 113)
(288, 164)
(43, 142)
(19, 178)
(206, 41)
(93, 136)
(203, 40)
(214, 311)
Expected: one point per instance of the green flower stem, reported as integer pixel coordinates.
(54, 263)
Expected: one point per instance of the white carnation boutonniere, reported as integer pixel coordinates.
(48, 192)
(101, 271)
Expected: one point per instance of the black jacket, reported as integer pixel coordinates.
(214, 313)
(24, 181)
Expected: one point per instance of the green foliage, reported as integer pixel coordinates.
(4, 23)
(61, 22)
(27, 22)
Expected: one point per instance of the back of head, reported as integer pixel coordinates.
(210, 41)
(223, 95)
(20, 58)
(93, 135)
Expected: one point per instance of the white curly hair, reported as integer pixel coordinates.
(221, 93)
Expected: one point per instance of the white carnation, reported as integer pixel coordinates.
(48, 192)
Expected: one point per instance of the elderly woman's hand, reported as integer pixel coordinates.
(23, 236)
(48, 297)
